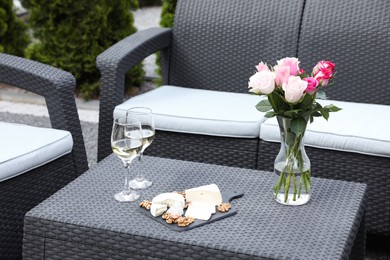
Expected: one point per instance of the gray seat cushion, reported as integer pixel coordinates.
(358, 127)
(26, 147)
(197, 111)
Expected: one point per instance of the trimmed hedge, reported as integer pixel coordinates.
(13, 32)
(72, 34)
(167, 15)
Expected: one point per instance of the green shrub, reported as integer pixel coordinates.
(167, 16)
(143, 3)
(72, 34)
(13, 32)
(167, 13)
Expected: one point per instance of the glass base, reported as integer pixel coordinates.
(126, 197)
(140, 184)
(303, 199)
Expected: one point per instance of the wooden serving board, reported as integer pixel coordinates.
(226, 197)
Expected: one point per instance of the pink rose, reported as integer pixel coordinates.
(262, 66)
(293, 90)
(262, 82)
(292, 63)
(323, 71)
(281, 74)
(312, 84)
(324, 65)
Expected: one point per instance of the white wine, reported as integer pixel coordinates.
(127, 149)
(147, 138)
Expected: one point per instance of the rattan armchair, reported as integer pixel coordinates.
(23, 192)
(213, 45)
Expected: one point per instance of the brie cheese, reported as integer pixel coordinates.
(176, 209)
(209, 194)
(157, 209)
(169, 199)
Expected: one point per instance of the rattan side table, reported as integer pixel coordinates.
(83, 221)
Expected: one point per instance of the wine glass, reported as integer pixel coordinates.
(126, 143)
(145, 116)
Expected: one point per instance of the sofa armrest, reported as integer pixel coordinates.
(113, 64)
(57, 87)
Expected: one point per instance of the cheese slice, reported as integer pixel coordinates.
(199, 211)
(209, 194)
(169, 199)
(204, 205)
(158, 209)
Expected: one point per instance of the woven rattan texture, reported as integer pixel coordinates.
(85, 213)
(215, 44)
(372, 170)
(113, 65)
(20, 194)
(353, 34)
(238, 152)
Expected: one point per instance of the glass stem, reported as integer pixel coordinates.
(126, 188)
(140, 176)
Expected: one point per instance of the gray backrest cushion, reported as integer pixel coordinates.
(217, 43)
(356, 36)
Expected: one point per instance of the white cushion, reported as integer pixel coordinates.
(24, 147)
(358, 127)
(199, 111)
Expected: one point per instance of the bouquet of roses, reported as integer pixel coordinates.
(291, 92)
(291, 96)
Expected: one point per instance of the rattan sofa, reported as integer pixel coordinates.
(24, 190)
(214, 45)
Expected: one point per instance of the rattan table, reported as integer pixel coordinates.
(83, 221)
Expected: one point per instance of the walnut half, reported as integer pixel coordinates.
(184, 221)
(224, 207)
(170, 218)
(145, 204)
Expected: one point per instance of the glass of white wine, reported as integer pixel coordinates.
(126, 143)
(145, 116)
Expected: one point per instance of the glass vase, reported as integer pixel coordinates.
(292, 166)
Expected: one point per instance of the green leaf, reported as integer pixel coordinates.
(332, 108)
(278, 102)
(325, 113)
(307, 101)
(290, 139)
(316, 114)
(321, 95)
(298, 125)
(292, 113)
(317, 106)
(264, 106)
(270, 114)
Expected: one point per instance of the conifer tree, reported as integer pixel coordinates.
(72, 34)
(13, 32)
